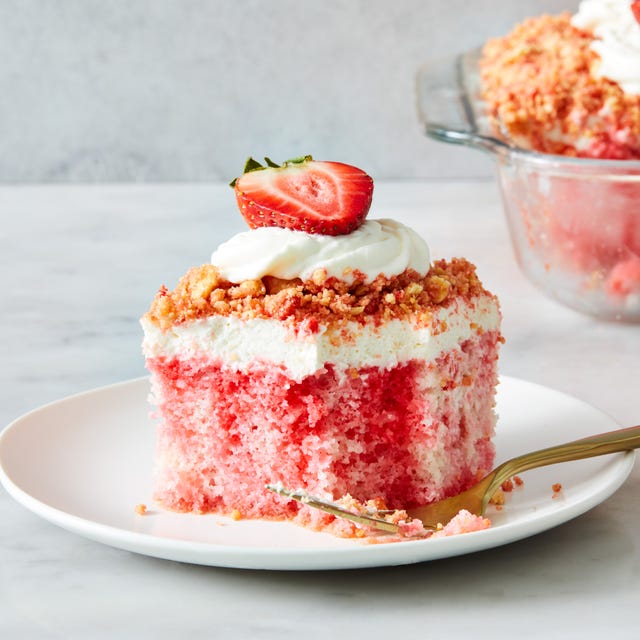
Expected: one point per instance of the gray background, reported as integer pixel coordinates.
(185, 90)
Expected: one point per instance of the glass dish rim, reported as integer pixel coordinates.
(474, 138)
(500, 147)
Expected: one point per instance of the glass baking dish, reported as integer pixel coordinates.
(574, 223)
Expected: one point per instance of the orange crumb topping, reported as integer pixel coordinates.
(236, 515)
(202, 292)
(141, 509)
(556, 488)
(507, 486)
(498, 497)
(541, 86)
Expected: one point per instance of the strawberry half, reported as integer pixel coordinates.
(635, 7)
(328, 198)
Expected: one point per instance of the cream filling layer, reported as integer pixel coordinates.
(239, 343)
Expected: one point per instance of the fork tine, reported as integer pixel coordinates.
(334, 509)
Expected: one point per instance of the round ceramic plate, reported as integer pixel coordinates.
(85, 462)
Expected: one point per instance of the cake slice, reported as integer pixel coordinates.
(342, 365)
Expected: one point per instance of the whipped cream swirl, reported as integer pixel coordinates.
(617, 42)
(376, 247)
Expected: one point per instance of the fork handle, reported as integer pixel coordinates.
(598, 445)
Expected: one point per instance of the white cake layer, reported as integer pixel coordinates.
(241, 342)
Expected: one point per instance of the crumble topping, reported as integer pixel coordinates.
(540, 82)
(201, 292)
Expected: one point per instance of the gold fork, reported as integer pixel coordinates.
(476, 499)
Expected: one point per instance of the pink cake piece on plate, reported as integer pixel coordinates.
(373, 378)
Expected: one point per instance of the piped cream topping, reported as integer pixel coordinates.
(377, 247)
(617, 40)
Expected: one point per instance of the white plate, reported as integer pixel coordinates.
(85, 462)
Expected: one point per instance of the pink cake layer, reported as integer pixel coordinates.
(410, 434)
(586, 227)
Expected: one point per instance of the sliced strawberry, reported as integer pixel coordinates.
(328, 198)
(635, 7)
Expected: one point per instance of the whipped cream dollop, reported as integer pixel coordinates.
(617, 42)
(376, 247)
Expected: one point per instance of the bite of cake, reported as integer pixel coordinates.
(320, 350)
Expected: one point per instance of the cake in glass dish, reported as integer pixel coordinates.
(323, 351)
(556, 102)
(570, 85)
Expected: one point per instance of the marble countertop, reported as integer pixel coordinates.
(80, 265)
